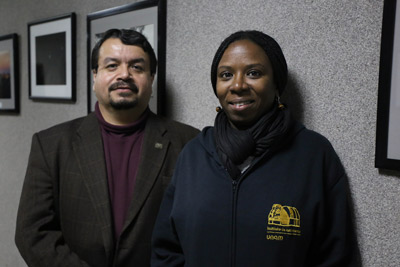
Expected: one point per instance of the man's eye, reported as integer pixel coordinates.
(137, 67)
(111, 66)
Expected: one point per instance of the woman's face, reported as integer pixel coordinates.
(245, 85)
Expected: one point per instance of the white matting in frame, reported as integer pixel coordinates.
(52, 58)
(143, 20)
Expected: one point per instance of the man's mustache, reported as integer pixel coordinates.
(129, 85)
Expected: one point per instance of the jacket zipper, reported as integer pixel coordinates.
(235, 185)
(233, 230)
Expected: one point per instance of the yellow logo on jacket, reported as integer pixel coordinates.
(284, 216)
(283, 220)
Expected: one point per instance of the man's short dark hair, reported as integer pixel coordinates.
(127, 37)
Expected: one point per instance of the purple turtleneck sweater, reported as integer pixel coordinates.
(122, 147)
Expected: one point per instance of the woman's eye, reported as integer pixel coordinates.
(253, 73)
(225, 75)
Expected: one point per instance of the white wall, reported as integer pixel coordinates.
(332, 48)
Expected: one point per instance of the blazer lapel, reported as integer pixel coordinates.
(154, 150)
(88, 148)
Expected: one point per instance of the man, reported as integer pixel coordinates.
(94, 185)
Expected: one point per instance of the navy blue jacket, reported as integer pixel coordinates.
(292, 209)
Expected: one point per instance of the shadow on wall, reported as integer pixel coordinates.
(169, 101)
(293, 98)
(391, 173)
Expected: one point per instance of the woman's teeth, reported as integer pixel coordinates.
(238, 105)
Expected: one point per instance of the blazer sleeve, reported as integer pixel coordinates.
(38, 234)
(166, 249)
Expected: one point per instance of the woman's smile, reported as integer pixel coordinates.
(241, 104)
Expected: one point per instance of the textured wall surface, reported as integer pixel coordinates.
(332, 48)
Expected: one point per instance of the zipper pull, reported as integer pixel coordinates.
(234, 184)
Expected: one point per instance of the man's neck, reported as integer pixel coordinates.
(120, 117)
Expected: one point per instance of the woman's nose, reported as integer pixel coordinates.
(239, 83)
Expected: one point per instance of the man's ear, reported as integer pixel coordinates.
(94, 72)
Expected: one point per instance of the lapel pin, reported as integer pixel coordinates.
(158, 145)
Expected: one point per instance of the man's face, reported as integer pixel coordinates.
(123, 80)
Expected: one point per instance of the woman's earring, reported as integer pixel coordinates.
(280, 105)
(218, 109)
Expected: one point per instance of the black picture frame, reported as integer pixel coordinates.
(150, 14)
(387, 150)
(9, 74)
(52, 58)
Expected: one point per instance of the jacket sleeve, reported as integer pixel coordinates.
(166, 248)
(337, 242)
(38, 233)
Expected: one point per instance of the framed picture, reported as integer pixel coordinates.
(387, 154)
(52, 58)
(9, 78)
(147, 17)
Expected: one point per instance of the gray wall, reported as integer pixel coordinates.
(332, 48)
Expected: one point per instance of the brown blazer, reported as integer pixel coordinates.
(64, 216)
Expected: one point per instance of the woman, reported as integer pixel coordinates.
(258, 188)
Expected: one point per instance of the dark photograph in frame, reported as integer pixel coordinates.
(147, 17)
(52, 58)
(387, 154)
(9, 78)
